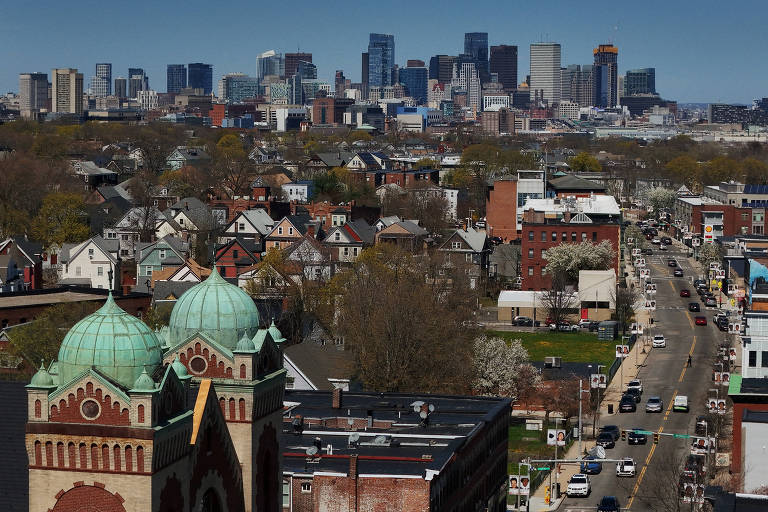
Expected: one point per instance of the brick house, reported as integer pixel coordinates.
(236, 255)
(21, 262)
(694, 213)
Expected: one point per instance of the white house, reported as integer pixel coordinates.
(301, 191)
(91, 263)
(312, 257)
(255, 223)
(754, 343)
(127, 230)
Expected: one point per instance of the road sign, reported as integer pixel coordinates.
(681, 436)
(646, 432)
(543, 469)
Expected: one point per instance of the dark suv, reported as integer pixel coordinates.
(694, 306)
(608, 504)
(627, 404)
(636, 437)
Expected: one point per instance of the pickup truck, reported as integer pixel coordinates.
(680, 404)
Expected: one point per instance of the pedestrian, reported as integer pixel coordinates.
(690, 361)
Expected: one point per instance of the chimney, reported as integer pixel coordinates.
(353, 466)
(311, 230)
(336, 398)
(186, 205)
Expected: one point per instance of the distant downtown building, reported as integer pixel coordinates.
(441, 68)
(200, 76)
(101, 83)
(414, 77)
(66, 91)
(121, 87)
(476, 46)
(270, 63)
(640, 81)
(292, 62)
(137, 81)
(33, 93)
(381, 60)
(605, 79)
(503, 62)
(576, 84)
(545, 72)
(236, 87)
(176, 78)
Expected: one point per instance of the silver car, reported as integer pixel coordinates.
(654, 404)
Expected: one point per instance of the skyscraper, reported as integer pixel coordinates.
(200, 76)
(414, 78)
(640, 81)
(304, 71)
(364, 69)
(544, 83)
(605, 78)
(381, 60)
(137, 81)
(33, 92)
(503, 62)
(270, 63)
(476, 45)
(292, 62)
(577, 85)
(121, 87)
(465, 78)
(176, 78)
(236, 87)
(101, 83)
(441, 68)
(67, 91)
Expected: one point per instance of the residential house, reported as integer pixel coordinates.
(184, 155)
(92, 175)
(21, 263)
(385, 222)
(137, 221)
(236, 255)
(108, 192)
(406, 234)
(95, 263)
(167, 252)
(269, 287)
(348, 241)
(193, 217)
(468, 248)
(368, 161)
(312, 257)
(262, 155)
(320, 163)
(169, 284)
(315, 366)
(290, 229)
(301, 191)
(254, 224)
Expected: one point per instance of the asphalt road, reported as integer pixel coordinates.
(664, 375)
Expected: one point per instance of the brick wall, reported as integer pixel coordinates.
(501, 210)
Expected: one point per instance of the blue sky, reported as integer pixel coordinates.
(703, 51)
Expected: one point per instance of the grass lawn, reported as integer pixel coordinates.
(576, 347)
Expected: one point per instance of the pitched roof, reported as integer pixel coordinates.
(165, 289)
(108, 247)
(475, 239)
(322, 250)
(318, 363)
(259, 219)
(112, 191)
(571, 182)
(91, 169)
(364, 231)
(335, 158)
(189, 153)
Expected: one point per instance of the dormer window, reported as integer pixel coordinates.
(338, 236)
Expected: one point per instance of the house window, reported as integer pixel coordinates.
(90, 252)
(530, 253)
(99, 271)
(290, 231)
(155, 202)
(573, 236)
(583, 237)
(306, 487)
(455, 245)
(280, 230)
(530, 235)
(554, 236)
(289, 381)
(594, 236)
(78, 271)
(744, 216)
(277, 244)
(530, 271)
(346, 251)
(124, 237)
(235, 254)
(123, 252)
(148, 270)
(564, 238)
(753, 358)
(764, 359)
(181, 221)
(468, 258)
(241, 226)
(543, 236)
(338, 236)
(162, 254)
(354, 251)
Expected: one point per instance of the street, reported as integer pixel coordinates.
(666, 375)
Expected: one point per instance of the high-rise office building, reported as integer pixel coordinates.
(33, 93)
(640, 81)
(292, 62)
(340, 83)
(200, 76)
(577, 85)
(305, 71)
(121, 87)
(544, 85)
(236, 87)
(176, 78)
(605, 79)
(441, 68)
(414, 78)
(476, 45)
(101, 83)
(381, 60)
(503, 62)
(364, 69)
(67, 91)
(270, 63)
(137, 81)
(466, 79)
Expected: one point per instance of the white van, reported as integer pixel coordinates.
(681, 403)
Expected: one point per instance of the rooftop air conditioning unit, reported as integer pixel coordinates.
(553, 362)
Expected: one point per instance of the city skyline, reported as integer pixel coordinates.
(700, 69)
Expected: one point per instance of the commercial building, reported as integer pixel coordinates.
(466, 79)
(568, 110)
(121, 87)
(605, 78)
(236, 87)
(640, 81)
(550, 222)
(176, 78)
(67, 91)
(270, 63)
(506, 198)
(498, 121)
(722, 113)
(693, 214)
(394, 451)
(329, 110)
(33, 93)
(503, 62)
(441, 68)
(381, 60)
(414, 79)
(544, 84)
(750, 416)
(137, 81)
(576, 84)
(292, 60)
(200, 76)
(101, 83)
(476, 47)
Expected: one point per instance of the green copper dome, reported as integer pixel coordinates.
(222, 311)
(118, 344)
(144, 382)
(245, 345)
(41, 379)
(277, 336)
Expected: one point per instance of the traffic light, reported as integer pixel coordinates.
(655, 438)
(623, 435)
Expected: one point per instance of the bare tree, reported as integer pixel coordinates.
(559, 302)
(625, 299)
(662, 489)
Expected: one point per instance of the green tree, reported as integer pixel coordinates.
(754, 170)
(584, 162)
(231, 146)
(61, 219)
(684, 169)
(158, 316)
(720, 168)
(710, 253)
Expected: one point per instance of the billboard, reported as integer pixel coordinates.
(622, 351)
(555, 437)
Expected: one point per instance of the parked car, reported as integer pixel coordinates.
(605, 440)
(634, 393)
(685, 292)
(678, 272)
(608, 504)
(625, 467)
(666, 240)
(648, 251)
(627, 404)
(578, 485)
(589, 466)
(701, 320)
(695, 467)
(636, 437)
(659, 341)
(584, 323)
(710, 302)
(694, 306)
(721, 321)
(496, 240)
(671, 263)
(656, 241)
(654, 404)
(635, 384)
(680, 404)
(697, 282)
(523, 321)
(564, 327)
(662, 247)
(614, 430)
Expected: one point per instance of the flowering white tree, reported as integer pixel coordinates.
(568, 259)
(499, 367)
(659, 198)
(710, 253)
